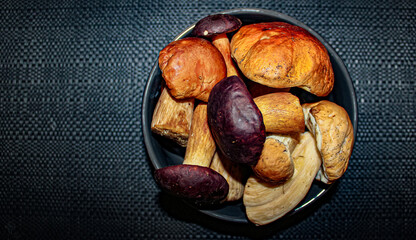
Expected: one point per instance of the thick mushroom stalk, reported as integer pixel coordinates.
(201, 146)
(222, 43)
(194, 180)
(172, 117)
(215, 28)
(282, 113)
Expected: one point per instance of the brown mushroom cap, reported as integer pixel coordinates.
(191, 67)
(282, 55)
(200, 185)
(275, 164)
(216, 24)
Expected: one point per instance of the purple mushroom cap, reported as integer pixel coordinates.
(235, 121)
(216, 24)
(199, 185)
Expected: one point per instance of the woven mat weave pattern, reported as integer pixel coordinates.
(73, 162)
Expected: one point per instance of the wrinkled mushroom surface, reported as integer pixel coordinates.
(282, 55)
(275, 164)
(334, 134)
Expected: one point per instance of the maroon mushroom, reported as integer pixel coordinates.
(236, 122)
(194, 180)
(215, 28)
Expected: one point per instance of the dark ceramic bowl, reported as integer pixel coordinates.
(163, 153)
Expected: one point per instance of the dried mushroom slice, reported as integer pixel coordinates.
(334, 134)
(234, 173)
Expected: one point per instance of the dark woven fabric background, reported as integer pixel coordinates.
(72, 159)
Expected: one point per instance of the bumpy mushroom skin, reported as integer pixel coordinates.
(282, 55)
(266, 202)
(334, 133)
(282, 113)
(275, 164)
(172, 117)
(191, 67)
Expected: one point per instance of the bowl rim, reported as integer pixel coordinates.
(273, 14)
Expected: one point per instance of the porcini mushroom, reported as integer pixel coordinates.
(194, 180)
(215, 27)
(191, 67)
(235, 121)
(281, 55)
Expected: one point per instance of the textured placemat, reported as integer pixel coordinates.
(73, 162)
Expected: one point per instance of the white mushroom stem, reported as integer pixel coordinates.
(172, 117)
(201, 145)
(222, 43)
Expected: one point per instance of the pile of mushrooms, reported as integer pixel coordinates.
(247, 137)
